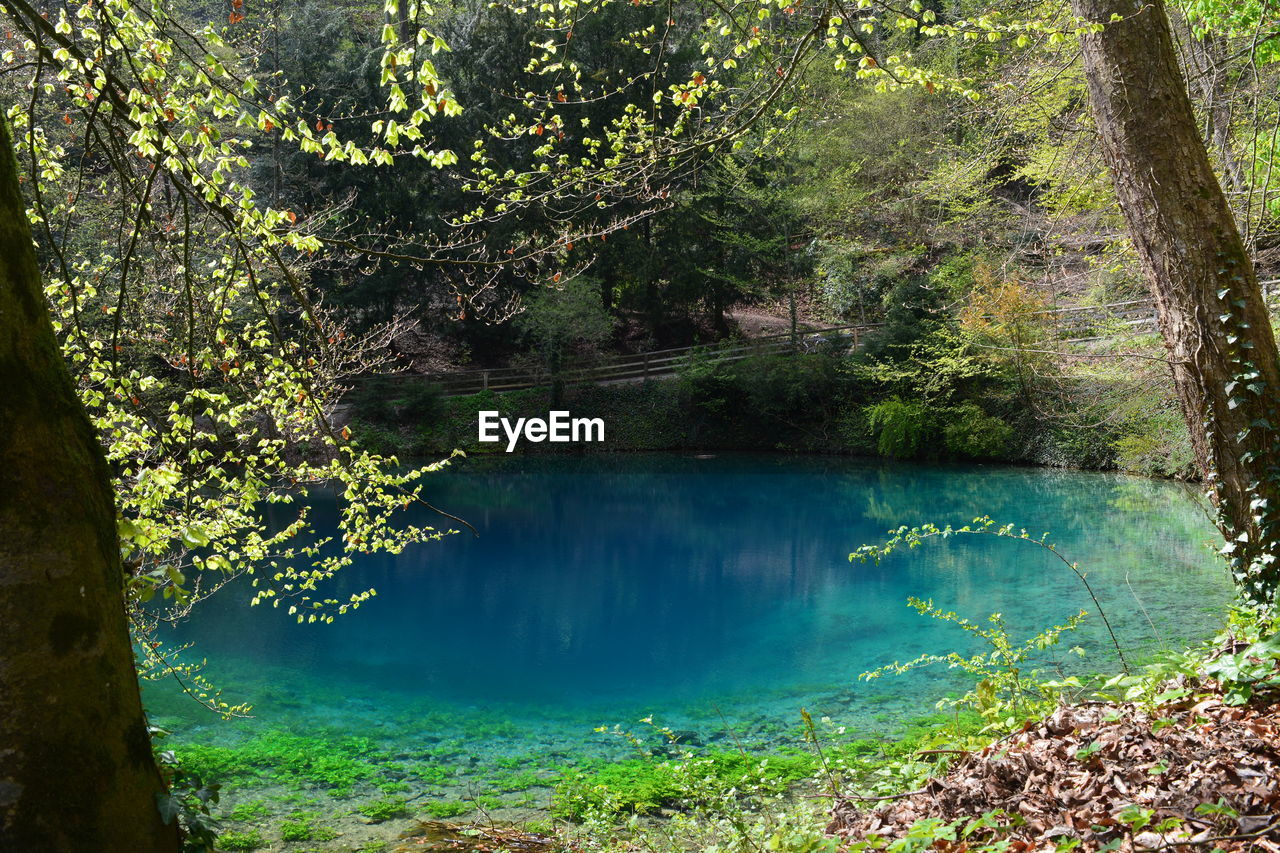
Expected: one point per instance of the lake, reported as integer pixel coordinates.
(714, 594)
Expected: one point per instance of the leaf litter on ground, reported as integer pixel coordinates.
(1199, 775)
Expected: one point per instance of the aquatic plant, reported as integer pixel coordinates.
(517, 781)
(250, 810)
(250, 840)
(304, 828)
(338, 763)
(384, 809)
(447, 808)
(644, 785)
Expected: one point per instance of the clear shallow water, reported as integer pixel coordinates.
(713, 593)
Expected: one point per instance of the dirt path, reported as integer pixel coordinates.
(755, 323)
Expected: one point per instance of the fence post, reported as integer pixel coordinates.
(486, 380)
(646, 366)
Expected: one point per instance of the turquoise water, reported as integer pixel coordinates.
(715, 594)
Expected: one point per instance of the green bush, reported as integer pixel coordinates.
(971, 432)
(790, 389)
(903, 429)
(376, 439)
(1155, 441)
(423, 403)
(641, 416)
(710, 396)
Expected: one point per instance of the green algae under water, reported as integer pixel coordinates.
(714, 594)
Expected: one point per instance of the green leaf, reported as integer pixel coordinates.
(195, 537)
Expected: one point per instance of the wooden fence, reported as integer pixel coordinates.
(655, 364)
(1072, 325)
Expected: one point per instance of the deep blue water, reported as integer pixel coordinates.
(705, 591)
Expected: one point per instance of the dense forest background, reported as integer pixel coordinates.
(959, 223)
(959, 214)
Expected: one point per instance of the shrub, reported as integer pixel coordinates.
(793, 388)
(376, 439)
(902, 429)
(1156, 441)
(423, 403)
(973, 433)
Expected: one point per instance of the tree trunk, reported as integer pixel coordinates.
(1210, 308)
(76, 765)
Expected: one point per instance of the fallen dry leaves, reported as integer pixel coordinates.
(1080, 774)
(437, 836)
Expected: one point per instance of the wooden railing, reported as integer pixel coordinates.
(1077, 324)
(655, 364)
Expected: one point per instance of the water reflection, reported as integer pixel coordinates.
(603, 581)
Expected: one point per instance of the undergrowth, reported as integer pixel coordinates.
(733, 803)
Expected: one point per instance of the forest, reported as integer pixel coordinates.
(965, 271)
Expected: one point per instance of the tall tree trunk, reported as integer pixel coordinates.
(1210, 308)
(76, 766)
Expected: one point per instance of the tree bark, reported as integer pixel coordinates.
(76, 765)
(1210, 308)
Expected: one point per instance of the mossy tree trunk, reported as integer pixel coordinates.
(1211, 311)
(76, 764)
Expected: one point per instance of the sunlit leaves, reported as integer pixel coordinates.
(182, 304)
